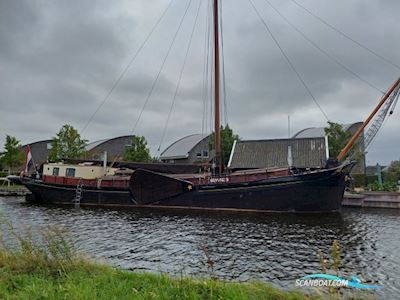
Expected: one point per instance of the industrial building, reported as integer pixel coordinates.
(305, 153)
(115, 148)
(309, 149)
(320, 131)
(315, 132)
(193, 148)
(40, 151)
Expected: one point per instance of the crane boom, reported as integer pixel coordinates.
(386, 110)
(386, 105)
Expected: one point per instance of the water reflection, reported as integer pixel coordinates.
(275, 247)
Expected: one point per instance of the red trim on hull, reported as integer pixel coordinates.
(94, 183)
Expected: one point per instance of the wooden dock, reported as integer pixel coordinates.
(372, 199)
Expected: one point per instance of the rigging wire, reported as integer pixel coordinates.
(389, 112)
(357, 147)
(114, 86)
(180, 77)
(223, 65)
(161, 68)
(326, 53)
(377, 134)
(288, 60)
(347, 36)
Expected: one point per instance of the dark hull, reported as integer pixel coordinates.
(314, 196)
(320, 191)
(55, 194)
(313, 192)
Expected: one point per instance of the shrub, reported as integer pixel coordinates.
(359, 180)
(385, 187)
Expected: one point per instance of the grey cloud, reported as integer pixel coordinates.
(58, 60)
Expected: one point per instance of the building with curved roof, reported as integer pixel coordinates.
(189, 149)
(40, 150)
(115, 147)
(313, 132)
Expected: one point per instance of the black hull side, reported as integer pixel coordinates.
(313, 192)
(316, 195)
(53, 194)
(319, 191)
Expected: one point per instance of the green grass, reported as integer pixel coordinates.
(49, 268)
(90, 281)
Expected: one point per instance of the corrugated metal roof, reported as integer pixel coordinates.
(182, 147)
(306, 152)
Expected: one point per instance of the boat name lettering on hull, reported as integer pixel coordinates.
(219, 180)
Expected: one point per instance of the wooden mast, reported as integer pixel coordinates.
(360, 130)
(217, 106)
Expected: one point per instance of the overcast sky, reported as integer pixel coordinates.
(59, 59)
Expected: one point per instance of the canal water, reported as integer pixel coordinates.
(278, 248)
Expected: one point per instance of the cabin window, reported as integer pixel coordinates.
(205, 153)
(198, 154)
(70, 172)
(56, 171)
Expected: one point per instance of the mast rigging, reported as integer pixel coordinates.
(217, 121)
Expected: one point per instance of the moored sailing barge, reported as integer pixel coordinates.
(274, 190)
(283, 190)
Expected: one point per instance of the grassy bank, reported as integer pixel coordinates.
(49, 268)
(90, 281)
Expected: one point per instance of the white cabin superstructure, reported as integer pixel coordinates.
(83, 170)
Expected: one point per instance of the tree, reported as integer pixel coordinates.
(67, 144)
(138, 151)
(393, 172)
(227, 139)
(13, 155)
(337, 138)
